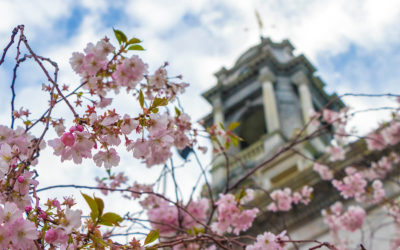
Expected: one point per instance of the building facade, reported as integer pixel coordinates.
(273, 94)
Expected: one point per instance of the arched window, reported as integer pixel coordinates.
(252, 126)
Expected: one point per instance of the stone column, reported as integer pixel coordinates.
(302, 82)
(267, 79)
(218, 117)
(218, 111)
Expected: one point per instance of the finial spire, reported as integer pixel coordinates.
(260, 25)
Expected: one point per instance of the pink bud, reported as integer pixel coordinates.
(42, 214)
(14, 165)
(68, 139)
(21, 179)
(51, 235)
(28, 209)
(79, 127)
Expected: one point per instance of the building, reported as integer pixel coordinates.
(273, 93)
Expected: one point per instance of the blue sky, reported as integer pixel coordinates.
(354, 45)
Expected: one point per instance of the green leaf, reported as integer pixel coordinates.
(234, 140)
(121, 37)
(160, 102)
(112, 218)
(99, 241)
(135, 47)
(154, 110)
(233, 125)
(227, 144)
(108, 224)
(177, 111)
(240, 195)
(152, 236)
(222, 125)
(141, 98)
(100, 205)
(133, 41)
(93, 206)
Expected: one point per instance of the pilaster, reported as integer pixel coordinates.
(267, 79)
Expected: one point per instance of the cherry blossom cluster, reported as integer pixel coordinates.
(232, 217)
(169, 219)
(355, 185)
(111, 182)
(156, 132)
(282, 200)
(324, 171)
(349, 220)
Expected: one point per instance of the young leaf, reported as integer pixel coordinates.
(233, 125)
(141, 98)
(100, 205)
(99, 241)
(154, 110)
(152, 236)
(240, 195)
(93, 206)
(160, 102)
(121, 37)
(177, 111)
(234, 140)
(112, 218)
(133, 41)
(135, 47)
(222, 125)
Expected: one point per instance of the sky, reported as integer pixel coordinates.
(354, 45)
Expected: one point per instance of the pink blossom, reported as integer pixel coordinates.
(282, 200)
(92, 63)
(128, 125)
(109, 158)
(323, 171)
(76, 62)
(22, 233)
(353, 185)
(129, 72)
(159, 79)
(391, 134)
(269, 241)
(375, 141)
(9, 212)
(336, 153)
(330, 116)
(353, 218)
(231, 217)
(72, 220)
(56, 235)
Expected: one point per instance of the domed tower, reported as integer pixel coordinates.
(272, 93)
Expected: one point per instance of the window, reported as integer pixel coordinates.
(252, 126)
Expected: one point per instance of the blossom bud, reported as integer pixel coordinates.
(51, 235)
(28, 209)
(79, 127)
(21, 179)
(68, 139)
(42, 214)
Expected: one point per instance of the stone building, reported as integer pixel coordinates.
(273, 93)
